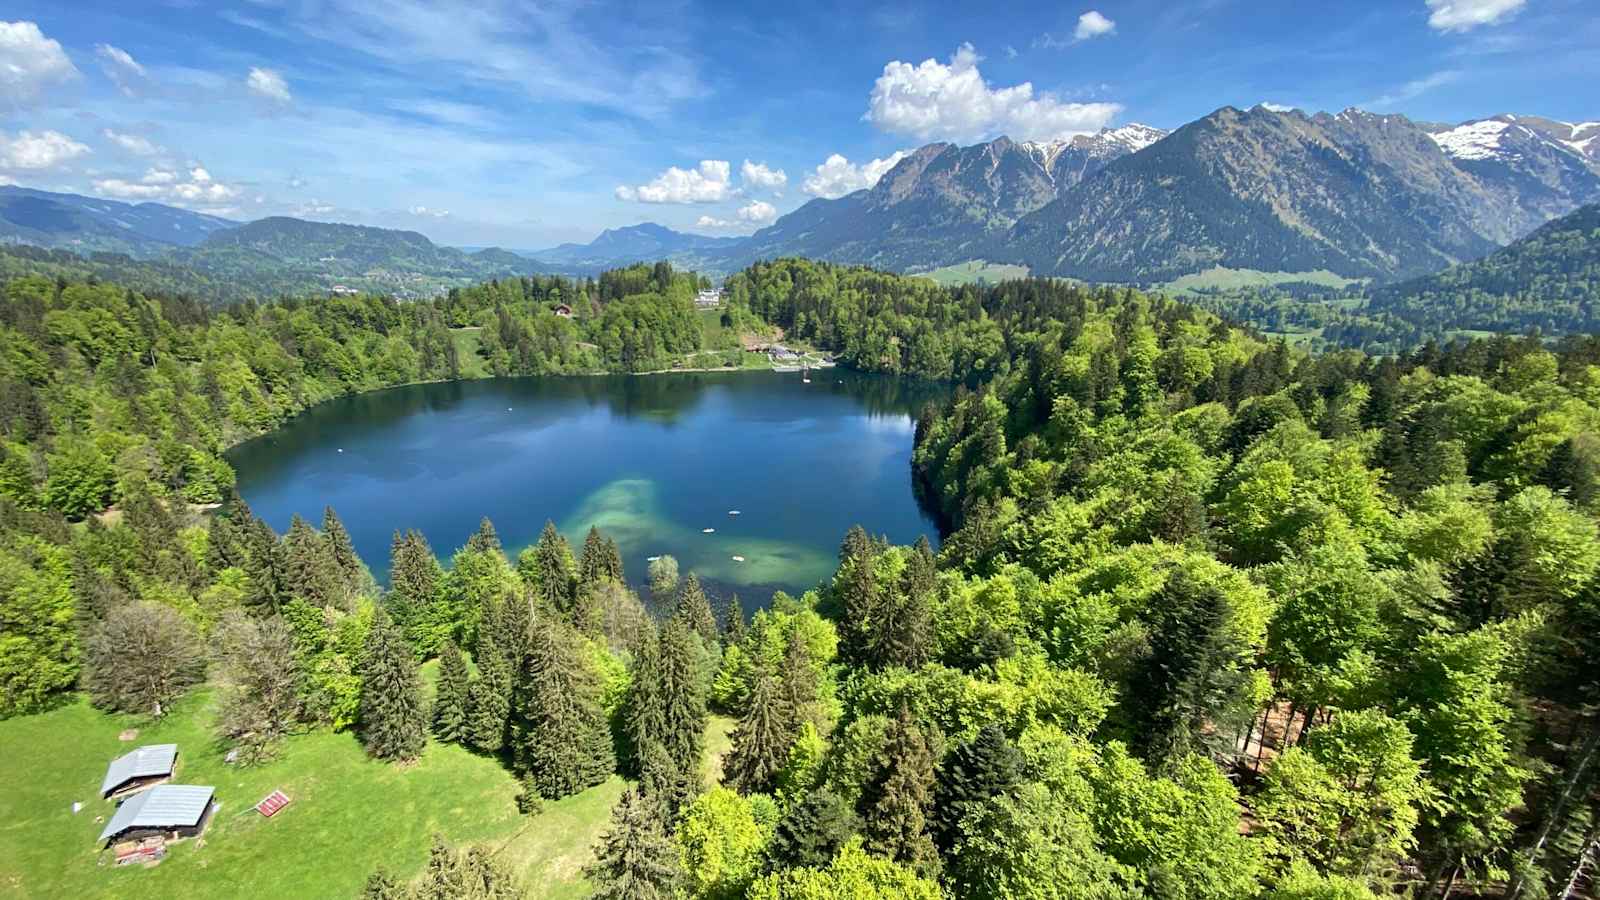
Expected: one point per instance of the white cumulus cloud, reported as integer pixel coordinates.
(123, 70)
(758, 212)
(29, 64)
(839, 176)
(37, 150)
(934, 100)
(136, 144)
(708, 183)
(269, 84)
(713, 222)
(759, 175)
(195, 188)
(1092, 25)
(428, 212)
(1463, 15)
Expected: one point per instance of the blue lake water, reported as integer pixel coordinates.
(652, 460)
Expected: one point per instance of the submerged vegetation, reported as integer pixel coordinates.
(1214, 618)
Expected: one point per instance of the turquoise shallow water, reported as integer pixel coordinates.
(652, 460)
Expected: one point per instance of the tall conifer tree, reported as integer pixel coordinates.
(554, 570)
(695, 610)
(635, 860)
(341, 549)
(485, 539)
(393, 722)
(761, 741)
(683, 699)
(450, 702)
(309, 570)
(972, 775)
(563, 740)
(896, 803)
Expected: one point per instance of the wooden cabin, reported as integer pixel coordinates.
(139, 770)
(169, 811)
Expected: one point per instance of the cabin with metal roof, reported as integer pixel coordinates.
(171, 811)
(139, 770)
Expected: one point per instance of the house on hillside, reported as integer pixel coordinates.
(139, 770)
(169, 811)
(563, 310)
(708, 299)
(340, 290)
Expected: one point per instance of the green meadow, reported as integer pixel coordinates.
(348, 815)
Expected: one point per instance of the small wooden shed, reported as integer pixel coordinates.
(139, 770)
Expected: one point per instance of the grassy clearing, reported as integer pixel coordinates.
(974, 271)
(1220, 278)
(348, 816)
(466, 341)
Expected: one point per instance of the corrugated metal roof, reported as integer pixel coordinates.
(163, 806)
(146, 762)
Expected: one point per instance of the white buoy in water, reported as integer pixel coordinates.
(708, 531)
(738, 559)
(733, 512)
(341, 449)
(651, 558)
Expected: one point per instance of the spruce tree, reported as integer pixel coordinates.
(562, 738)
(414, 581)
(972, 775)
(224, 541)
(553, 570)
(489, 694)
(798, 685)
(380, 886)
(393, 722)
(309, 571)
(450, 702)
(485, 539)
(859, 598)
(810, 834)
(263, 566)
(341, 550)
(644, 718)
(592, 562)
(761, 740)
(897, 801)
(635, 860)
(683, 698)
(694, 609)
(613, 562)
(733, 624)
(1192, 674)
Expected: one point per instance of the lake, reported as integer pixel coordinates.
(652, 460)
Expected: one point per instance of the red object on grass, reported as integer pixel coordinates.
(275, 801)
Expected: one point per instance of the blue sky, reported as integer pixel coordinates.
(527, 124)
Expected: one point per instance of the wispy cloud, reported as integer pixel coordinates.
(1414, 89)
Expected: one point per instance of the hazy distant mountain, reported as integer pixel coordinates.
(943, 203)
(284, 254)
(645, 242)
(90, 224)
(1549, 280)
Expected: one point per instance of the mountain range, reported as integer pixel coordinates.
(236, 261)
(1370, 196)
(1376, 197)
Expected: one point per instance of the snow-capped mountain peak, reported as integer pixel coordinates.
(1474, 140)
(1107, 142)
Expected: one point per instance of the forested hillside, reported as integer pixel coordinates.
(1213, 618)
(1549, 280)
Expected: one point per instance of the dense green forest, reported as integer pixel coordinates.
(1213, 618)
